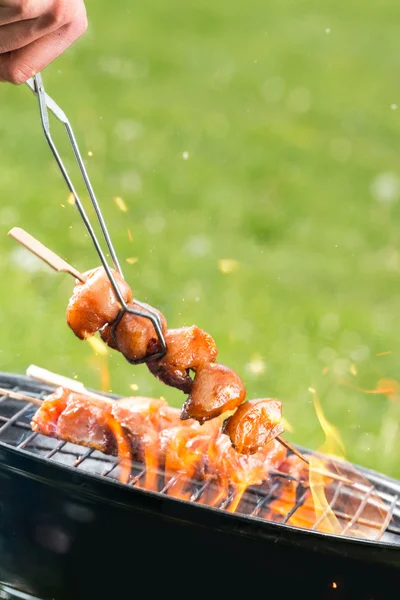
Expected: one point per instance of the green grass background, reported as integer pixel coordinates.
(287, 111)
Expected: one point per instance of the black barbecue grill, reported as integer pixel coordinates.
(69, 529)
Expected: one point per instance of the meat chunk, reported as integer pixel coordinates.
(75, 418)
(254, 424)
(79, 419)
(189, 348)
(94, 303)
(45, 421)
(216, 389)
(240, 469)
(177, 378)
(135, 336)
(87, 423)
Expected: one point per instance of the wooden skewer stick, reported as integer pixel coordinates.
(59, 381)
(290, 447)
(18, 396)
(48, 256)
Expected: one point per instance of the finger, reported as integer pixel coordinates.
(23, 33)
(20, 10)
(18, 66)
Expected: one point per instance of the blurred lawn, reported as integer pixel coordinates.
(287, 113)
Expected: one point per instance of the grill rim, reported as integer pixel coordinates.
(181, 510)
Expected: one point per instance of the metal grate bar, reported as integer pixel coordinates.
(170, 483)
(298, 504)
(106, 472)
(389, 516)
(28, 440)
(84, 456)
(226, 502)
(263, 500)
(15, 418)
(329, 507)
(137, 477)
(53, 452)
(358, 512)
(200, 491)
(17, 423)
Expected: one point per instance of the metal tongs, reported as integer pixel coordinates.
(45, 102)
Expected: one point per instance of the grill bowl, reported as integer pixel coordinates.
(68, 533)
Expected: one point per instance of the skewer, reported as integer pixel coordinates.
(45, 254)
(45, 102)
(60, 265)
(58, 381)
(38, 402)
(290, 447)
(18, 396)
(76, 386)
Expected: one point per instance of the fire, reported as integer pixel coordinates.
(182, 457)
(386, 387)
(151, 461)
(123, 449)
(333, 443)
(325, 517)
(197, 462)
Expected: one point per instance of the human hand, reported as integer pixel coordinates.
(34, 32)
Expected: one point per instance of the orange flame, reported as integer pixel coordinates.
(387, 387)
(325, 518)
(384, 387)
(151, 461)
(333, 444)
(180, 456)
(123, 448)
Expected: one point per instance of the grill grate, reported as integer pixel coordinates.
(260, 502)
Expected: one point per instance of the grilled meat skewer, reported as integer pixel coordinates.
(187, 447)
(215, 388)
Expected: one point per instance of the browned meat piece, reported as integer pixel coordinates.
(94, 303)
(139, 414)
(189, 348)
(229, 465)
(45, 421)
(90, 422)
(216, 389)
(136, 337)
(75, 418)
(254, 424)
(176, 378)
